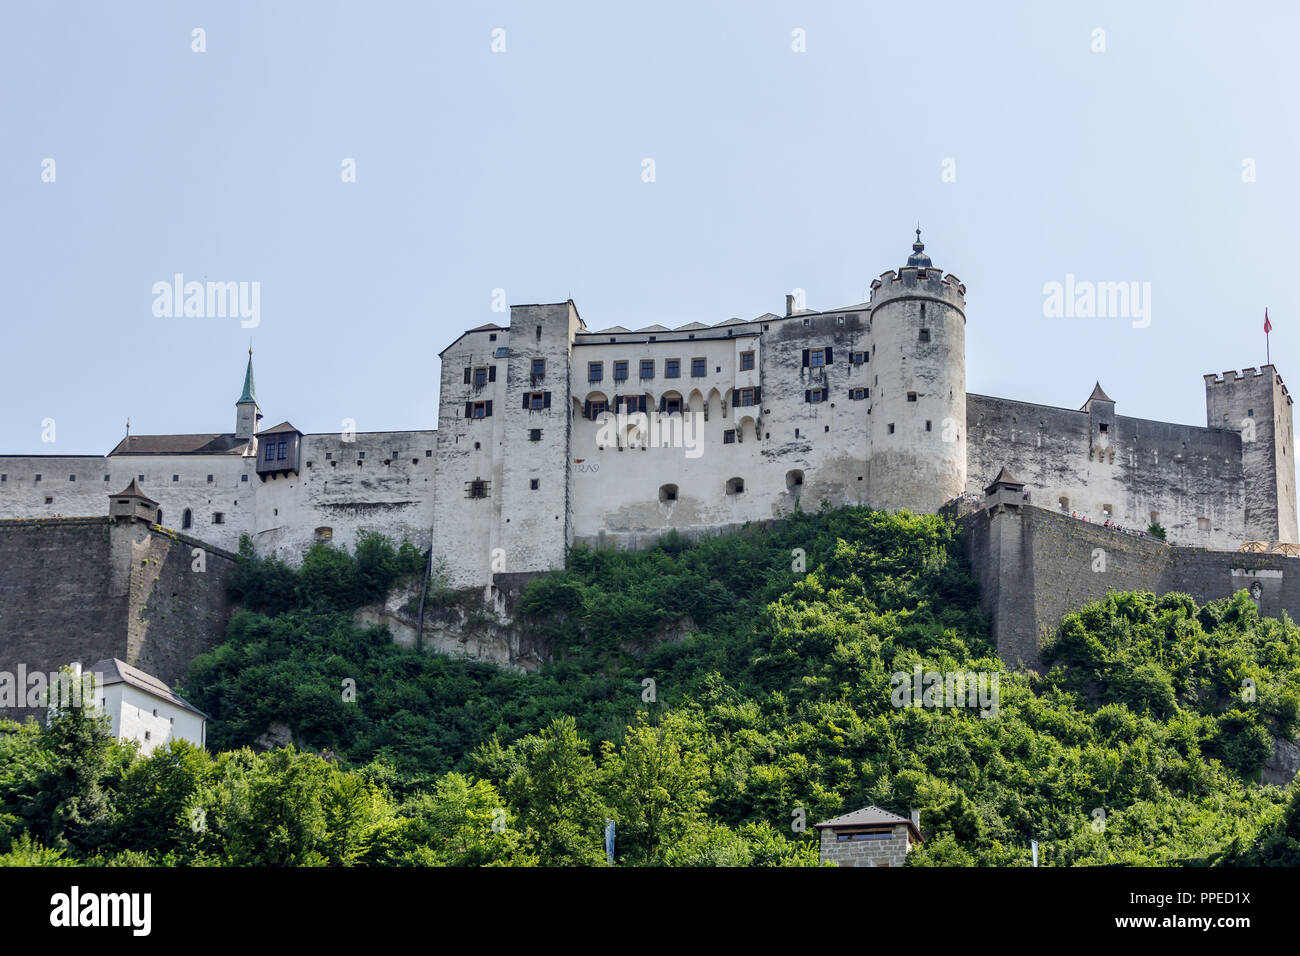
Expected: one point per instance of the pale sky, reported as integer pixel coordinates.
(523, 170)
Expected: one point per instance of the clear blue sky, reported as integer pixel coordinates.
(522, 170)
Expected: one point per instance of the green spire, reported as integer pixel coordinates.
(248, 395)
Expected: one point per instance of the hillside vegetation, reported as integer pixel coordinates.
(1142, 745)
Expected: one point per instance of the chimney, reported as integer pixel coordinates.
(916, 819)
(789, 305)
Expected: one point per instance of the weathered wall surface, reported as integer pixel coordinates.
(373, 481)
(84, 589)
(1035, 566)
(1188, 479)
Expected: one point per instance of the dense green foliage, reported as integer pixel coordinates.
(708, 697)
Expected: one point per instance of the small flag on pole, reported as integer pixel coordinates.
(1268, 326)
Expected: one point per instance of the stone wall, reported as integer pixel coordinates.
(1036, 565)
(83, 589)
(890, 852)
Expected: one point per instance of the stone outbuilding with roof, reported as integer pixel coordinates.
(869, 837)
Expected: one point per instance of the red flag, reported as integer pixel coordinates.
(1268, 326)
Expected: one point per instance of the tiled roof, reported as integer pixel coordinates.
(210, 443)
(113, 671)
(133, 490)
(867, 816)
(282, 427)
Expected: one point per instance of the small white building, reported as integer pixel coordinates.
(143, 708)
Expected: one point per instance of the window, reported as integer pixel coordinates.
(735, 486)
(647, 368)
(536, 401)
(534, 434)
(428, 453)
(746, 361)
(597, 407)
(861, 358)
(105, 477)
(595, 371)
(793, 480)
(816, 358)
(209, 479)
(534, 484)
(38, 477)
(729, 436)
(670, 405)
(324, 533)
(539, 367)
(472, 410)
(928, 426)
(270, 451)
(857, 394)
(814, 395)
(859, 837)
(49, 499)
(282, 452)
(891, 428)
(699, 368)
(218, 517)
(672, 368)
(480, 376)
(1104, 428)
(911, 396)
(667, 492)
(925, 335)
(329, 455)
(478, 488)
(243, 478)
(620, 371)
(746, 396)
(187, 519)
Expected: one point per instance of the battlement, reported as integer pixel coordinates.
(1250, 373)
(909, 280)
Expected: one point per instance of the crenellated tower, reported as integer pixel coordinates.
(1256, 404)
(918, 396)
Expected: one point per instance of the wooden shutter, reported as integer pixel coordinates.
(805, 358)
(586, 409)
(487, 412)
(469, 409)
(492, 373)
(546, 399)
(829, 359)
(528, 399)
(807, 395)
(468, 372)
(758, 397)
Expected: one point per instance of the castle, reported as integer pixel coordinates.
(550, 434)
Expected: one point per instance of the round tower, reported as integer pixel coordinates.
(918, 394)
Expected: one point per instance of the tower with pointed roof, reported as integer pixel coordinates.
(247, 413)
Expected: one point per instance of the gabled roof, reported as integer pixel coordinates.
(133, 491)
(732, 321)
(868, 817)
(208, 443)
(1097, 396)
(690, 327)
(655, 328)
(612, 328)
(113, 671)
(282, 427)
